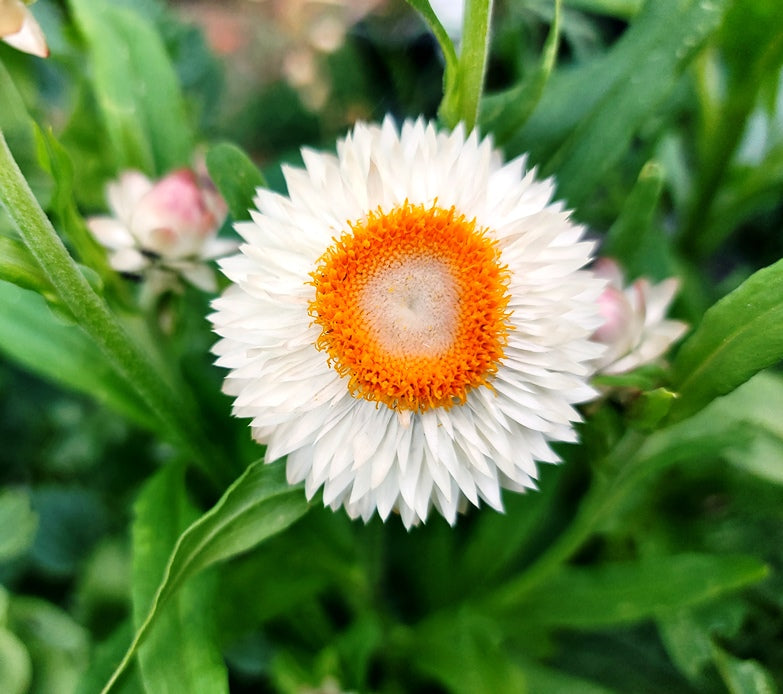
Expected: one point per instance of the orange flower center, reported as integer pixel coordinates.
(412, 307)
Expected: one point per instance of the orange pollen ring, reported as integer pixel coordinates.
(412, 305)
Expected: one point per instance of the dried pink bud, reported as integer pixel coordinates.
(635, 328)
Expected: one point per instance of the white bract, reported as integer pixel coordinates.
(635, 330)
(18, 28)
(170, 224)
(410, 325)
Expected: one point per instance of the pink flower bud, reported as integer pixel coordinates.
(635, 330)
(170, 223)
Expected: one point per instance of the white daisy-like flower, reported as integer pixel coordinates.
(168, 225)
(635, 328)
(18, 28)
(410, 325)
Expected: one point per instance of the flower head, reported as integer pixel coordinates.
(19, 29)
(410, 324)
(635, 329)
(170, 224)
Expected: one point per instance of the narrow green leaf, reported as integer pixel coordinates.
(18, 523)
(180, 653)
(739, 336)
(236, 177)
(55, 160)
(627, 239)
(743, 676)
(136, 87)
(258, 505)
(505, 113)
(32, 336)
(472, 62)
(449, 106)
(622, 9)
(587, 116)
(629, 591)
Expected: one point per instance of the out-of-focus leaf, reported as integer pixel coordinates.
(70, 521)
(743, 676)
(236, 177)
(449, 106)
(739, 336)
(464, 652)
(258, 505)
(18, 523)
(505, 113)
(58, 646)
(758, 403)
(15, 666)
(588, 116)
(628, 236)
(628, 591)
(688, 633)
(136, 87)
(31, 336)
(55, 160)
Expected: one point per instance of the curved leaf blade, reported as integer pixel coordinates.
(258, 505)
(738, 337)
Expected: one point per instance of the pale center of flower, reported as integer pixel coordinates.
(411, 307)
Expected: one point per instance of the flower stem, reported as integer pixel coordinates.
(94, 317)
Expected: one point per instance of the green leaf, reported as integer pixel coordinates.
(55, 160)
(57, 644)
(649, 409)
(588, 116)
(258, 505)
(505, 113)
(627, 236)
(180, 653)
(463, 652)
(743, 676)
(18, 523)
(136, 87)
(472, 63)
(34, 338)
(236, 177)
(15, 666)
(629, 591)
(18, 266)
(739, 336)
(449, 106)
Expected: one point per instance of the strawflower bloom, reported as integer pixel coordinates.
(635, 329)
(168, 225)
(410, 324)
(18, 28)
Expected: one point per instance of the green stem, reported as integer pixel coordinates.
(94, 317)
(473, 59)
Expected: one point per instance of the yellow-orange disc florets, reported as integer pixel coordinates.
(412, 307)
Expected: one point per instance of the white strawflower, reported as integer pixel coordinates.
(18, 28)
(635, 328)
(410, 325)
